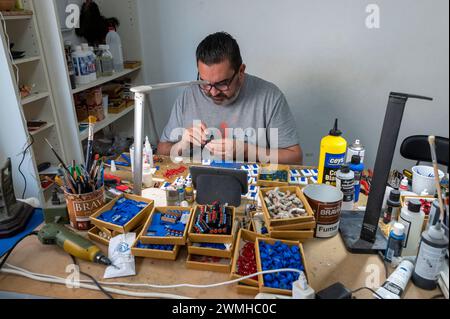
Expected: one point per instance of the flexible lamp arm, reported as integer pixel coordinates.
(141, 93)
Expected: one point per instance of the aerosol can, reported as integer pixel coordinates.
(333, 149)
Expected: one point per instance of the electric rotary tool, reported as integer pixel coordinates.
(72, 243)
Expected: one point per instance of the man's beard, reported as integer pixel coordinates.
(226, 100)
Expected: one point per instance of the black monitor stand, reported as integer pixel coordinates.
(360, 232)
(14, 215)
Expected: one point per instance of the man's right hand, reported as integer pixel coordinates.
(195, 135)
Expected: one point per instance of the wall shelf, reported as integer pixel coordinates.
(27, 60)
(42, 129)
(17, 15)
(110, 118)
(103, 80)
(34, 97)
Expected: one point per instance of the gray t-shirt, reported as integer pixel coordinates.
(260, 107)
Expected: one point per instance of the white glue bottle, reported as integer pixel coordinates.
(431, 257)
(394, 287)
(148, 152)
(345, 181)
(412, 218)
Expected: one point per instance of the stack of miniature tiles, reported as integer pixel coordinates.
(212, 235)
(164, 233)
(287, 213)
(303, 177)
(124, 214)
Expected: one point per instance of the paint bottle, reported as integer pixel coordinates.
(81, 65)
(431, 257)
(345, 181)
(333, 149)
(393, 207)
(394, 287)
(356, 149)
(357, 167)
(404, 185)
(189, 193)
(395, 242)
(148, 152)
(412, 218)
(181, 192)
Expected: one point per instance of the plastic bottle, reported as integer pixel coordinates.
(93, 58)
(181, 192)
(301, 289)
(396, 284)
(98, 61)
(431, 257)
(115, 46)
(148, 152)
(107, 61)
(345, 181)
(189, 196)
(395, 242)
(356, 149)
(404, 185)
(90, 56)
(80, 62)
(393, 207)
(357, 167)
(70, 66)
(412, 218)
(332, 156)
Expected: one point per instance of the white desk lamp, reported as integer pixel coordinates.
(141, 93)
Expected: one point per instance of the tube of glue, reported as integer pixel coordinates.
(395, 285)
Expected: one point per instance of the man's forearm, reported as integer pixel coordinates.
(292, 155)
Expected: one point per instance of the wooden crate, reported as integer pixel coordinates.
(249, 237)
(274, 167)
(263, 288)
(165, 240)
(93, 234)
(247, 290)
(205, 266)
(300, 235)
(210, 238)
(291, 221)
(132, 224)
(212, 252)
(156, 254)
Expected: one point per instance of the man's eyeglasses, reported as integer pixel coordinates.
(221, 86)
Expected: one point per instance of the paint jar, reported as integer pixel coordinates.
(326, 202)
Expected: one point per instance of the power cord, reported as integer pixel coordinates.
(107, 294)
(366, 288)
(8, 253)
(24, 154)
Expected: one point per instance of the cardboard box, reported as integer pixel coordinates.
(154, 253)
(165, 240)
(291, 221)
(210, 238)
(212, 252)
(132, 224)
(223, 267)
(262, 287)
(273, 167)
(243, 235)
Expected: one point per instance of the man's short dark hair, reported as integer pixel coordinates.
(219, 47)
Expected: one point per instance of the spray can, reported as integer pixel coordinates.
(430, 258)
(394, 287)
(357, 167)
(345, 181)
(393, 207)
(356, 149)
(332, 156)
(395, 242)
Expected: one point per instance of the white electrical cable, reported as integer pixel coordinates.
(28, 274)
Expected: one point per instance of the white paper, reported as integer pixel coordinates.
(119, 252)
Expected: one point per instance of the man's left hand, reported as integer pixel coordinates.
(227, 149)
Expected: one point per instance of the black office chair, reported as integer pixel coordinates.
(417, 148)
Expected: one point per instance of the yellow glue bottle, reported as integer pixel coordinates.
(333, 149)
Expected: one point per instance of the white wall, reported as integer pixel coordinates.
(322, 56)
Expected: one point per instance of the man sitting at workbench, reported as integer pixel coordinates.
(234, 115)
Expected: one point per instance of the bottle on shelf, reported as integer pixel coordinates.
(80, 62)
(148, 153)
(91, 61)
(98, 61)
(106, 61)
(70, 66)
(115, 46)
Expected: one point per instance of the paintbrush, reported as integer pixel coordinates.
(90, 145)
(61, 162)
(432, 142)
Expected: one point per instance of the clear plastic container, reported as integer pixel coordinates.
(106, 61)
(115, 46)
